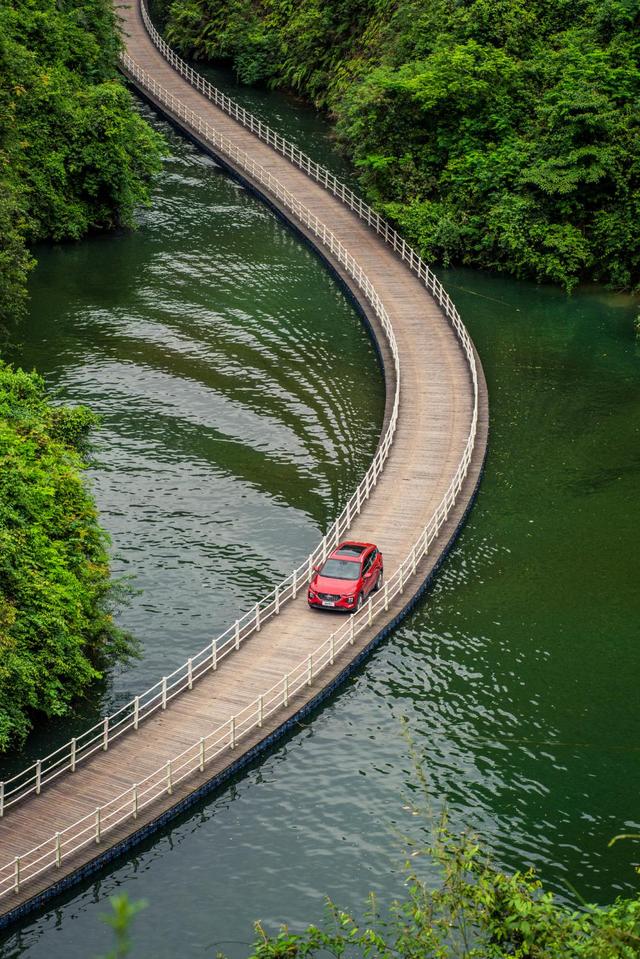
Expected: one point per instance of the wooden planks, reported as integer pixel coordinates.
(433, 426)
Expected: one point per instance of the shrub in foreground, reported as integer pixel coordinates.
(474, 912)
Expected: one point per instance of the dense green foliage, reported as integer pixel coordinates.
(74, 157)
(501, 133)
(56, 628)
(74, 154)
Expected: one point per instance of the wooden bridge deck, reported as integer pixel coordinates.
(433, 427)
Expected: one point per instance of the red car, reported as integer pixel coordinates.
(347, 577)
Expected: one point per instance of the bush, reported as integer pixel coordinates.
(476, 912)
(57, 634)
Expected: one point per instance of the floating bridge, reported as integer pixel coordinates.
(99, 794)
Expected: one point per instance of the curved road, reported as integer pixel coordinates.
(434, 421)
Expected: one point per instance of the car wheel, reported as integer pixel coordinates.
(379, 581)
(360, 603)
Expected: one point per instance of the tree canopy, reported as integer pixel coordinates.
(74, 154)
(75, 157)
(57, 633)
(499, 133)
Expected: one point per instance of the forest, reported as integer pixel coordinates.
(75, 158)
(502, 134)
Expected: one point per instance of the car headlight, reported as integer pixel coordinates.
(312, 595)
(351, 599)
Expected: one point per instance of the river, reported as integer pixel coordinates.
(241, 400)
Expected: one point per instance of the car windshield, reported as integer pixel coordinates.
(341, 569)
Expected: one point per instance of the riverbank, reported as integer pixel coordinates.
(494, 137)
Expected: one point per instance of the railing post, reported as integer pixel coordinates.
(73, 754)
(237, 634)
(257, 617)
(1, 800)
(358, 499)
(310, 669)
(310, 569)
(202, 754)
(58, 852)
(286, 689)
(351, 628)
(190, 673)
(260, 709)
(98, 824)
(136, 712)
(16, 874)
(38, 776)
(135, 800)
(295, 584)
(164, 692)
(169, 778)
(232, 740)
(214, 655)
(277, 600)
(386, 596)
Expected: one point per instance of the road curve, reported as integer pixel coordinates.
(52, 839)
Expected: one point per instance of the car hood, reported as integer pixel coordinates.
(324, 584)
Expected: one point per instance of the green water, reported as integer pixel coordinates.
(241, 400)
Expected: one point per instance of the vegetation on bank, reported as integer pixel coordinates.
(499, 133)
(57, 633)
(476, 912)
(74, 154)
(75, 157)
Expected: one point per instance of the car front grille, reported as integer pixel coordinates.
(329, 597)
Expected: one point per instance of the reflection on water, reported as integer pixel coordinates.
(518, 674)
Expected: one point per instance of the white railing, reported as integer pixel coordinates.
(99, 737)
(127, 805)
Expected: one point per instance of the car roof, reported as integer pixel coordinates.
(351, 550)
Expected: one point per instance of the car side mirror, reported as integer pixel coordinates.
(316, 569)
